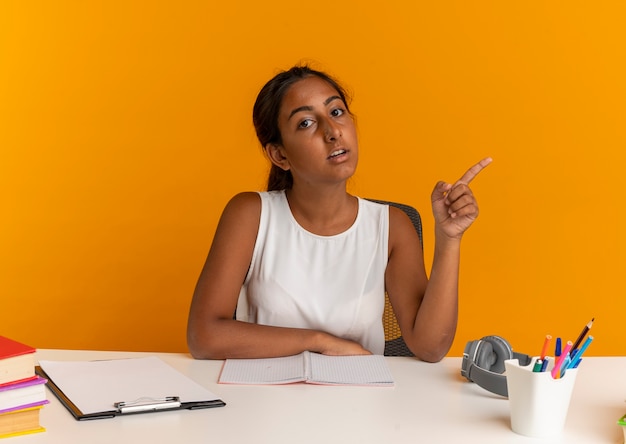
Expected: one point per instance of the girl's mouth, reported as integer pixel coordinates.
(337, 153)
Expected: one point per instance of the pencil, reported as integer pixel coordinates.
(582, 334)
(544, 350)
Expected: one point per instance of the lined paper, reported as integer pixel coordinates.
(360, 370)
(282, 370)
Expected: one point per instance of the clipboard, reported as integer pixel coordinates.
(106, 389)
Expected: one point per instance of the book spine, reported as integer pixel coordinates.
(306, 362)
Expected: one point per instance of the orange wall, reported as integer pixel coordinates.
(125, 127)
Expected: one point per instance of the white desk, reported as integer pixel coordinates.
(430, 403)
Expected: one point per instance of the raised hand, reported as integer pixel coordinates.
(454, 205)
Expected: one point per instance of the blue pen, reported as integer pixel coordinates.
(581, 350)
(544, 365)
(577, 362)
(566, 362)
(557, 349)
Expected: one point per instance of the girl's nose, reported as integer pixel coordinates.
(332, 131)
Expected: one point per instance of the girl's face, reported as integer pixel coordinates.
(319, 142)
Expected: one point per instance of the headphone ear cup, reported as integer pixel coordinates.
(501, 351)
(484, 357)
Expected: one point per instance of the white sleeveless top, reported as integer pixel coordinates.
(334, 283)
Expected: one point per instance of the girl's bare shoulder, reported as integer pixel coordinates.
(247, 203)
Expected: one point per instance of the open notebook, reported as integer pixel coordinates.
(308, 367)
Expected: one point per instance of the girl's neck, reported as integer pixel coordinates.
(323, 213)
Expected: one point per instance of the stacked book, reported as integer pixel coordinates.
(22, 392)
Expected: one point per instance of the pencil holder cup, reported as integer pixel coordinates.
(538, 402)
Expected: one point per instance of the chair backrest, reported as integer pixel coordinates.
(394, 343)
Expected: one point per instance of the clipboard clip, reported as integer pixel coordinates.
(148, 404)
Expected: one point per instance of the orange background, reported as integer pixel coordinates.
(125, 127)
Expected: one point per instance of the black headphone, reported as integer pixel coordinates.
(483, 363)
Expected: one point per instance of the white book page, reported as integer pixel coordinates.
(263, 371)
(350, 370)
(95, 386)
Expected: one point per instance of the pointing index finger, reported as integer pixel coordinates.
(473, 171)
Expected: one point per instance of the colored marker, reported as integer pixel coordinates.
(566, 362)
(544, 366)
(582, 334)
(576, 358)
(544, 350)
(556, 371)
(557, 348)
(537, 366)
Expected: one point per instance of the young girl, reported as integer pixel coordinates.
(305, 264)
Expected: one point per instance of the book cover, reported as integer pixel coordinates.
(22, 393)
(24, 432)
(37, 380)
(25, 406)
(30, 378)
(17, 361)
(20, 422)
(10, 348)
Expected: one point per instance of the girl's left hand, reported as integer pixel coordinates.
(454, 206)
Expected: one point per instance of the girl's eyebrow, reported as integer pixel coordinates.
(310, 108)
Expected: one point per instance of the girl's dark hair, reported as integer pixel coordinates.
(266, 109)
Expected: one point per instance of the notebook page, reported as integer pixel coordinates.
(263, 371)
(350, 370)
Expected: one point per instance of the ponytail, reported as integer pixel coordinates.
(279, 179)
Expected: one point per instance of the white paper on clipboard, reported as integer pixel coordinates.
(95, 386)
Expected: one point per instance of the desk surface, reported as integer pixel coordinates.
(430, 403)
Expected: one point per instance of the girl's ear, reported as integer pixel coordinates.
(276, 153)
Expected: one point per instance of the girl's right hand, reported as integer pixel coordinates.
(334, 346)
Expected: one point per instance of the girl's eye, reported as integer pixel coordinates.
(305, 123)
(337, 112)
